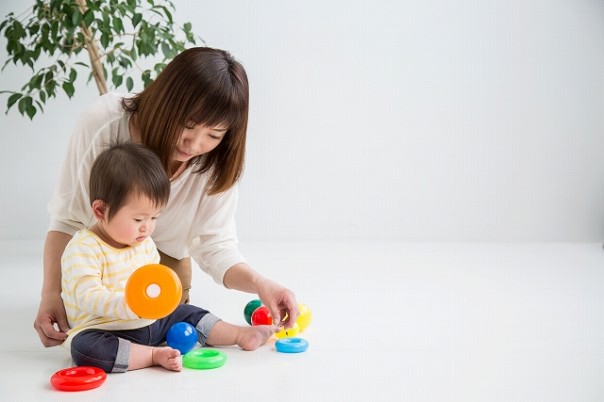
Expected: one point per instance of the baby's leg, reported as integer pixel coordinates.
(142, 356)
(213, 331)
(106, 350)
(248, 338)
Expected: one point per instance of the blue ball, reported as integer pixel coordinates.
(182, 336)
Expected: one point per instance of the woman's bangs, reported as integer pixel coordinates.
(219, 112)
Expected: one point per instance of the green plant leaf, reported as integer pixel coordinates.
(31, 111)
(118, 26)
(146, 77)
(166, 50)
(37, 81)
(24, 103)
(105, 40)
(55, 31)
(117, 80)
(51, 88)
(136, 18)
(168, 14)
(76, 18)
(94, 5)
(12, 99)
(88, 17)
(68, 88)
(48, 76)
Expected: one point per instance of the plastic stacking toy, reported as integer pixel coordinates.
(261, 316)
(203, 359)
(250, 307)
(182, 336)
(153, 291)
(291, 345)
(305, 316)
(289, 332)
(80, 378)
(257, 314)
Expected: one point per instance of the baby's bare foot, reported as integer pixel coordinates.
(167, 358)
(251, 338)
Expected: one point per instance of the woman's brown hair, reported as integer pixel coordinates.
(199, 86)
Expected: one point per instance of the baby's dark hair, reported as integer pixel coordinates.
(126, 169)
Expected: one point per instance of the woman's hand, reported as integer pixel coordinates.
(280, 301)
(51, 312)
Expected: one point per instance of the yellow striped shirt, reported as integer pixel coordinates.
(94, 276)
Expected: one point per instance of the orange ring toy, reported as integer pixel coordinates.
(153, 291)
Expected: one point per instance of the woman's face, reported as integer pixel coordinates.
(197, 140)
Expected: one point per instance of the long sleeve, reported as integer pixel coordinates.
(215, 247)
(93, 282)
(200, 225)
(83, 270)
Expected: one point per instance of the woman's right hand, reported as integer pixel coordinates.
(51, 312)
(51, 321)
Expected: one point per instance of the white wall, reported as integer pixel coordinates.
(411, 120)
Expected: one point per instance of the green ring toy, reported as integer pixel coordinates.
(203, 359)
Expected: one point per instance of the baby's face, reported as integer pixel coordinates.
(134, 222)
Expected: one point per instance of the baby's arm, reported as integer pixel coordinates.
(83, 286)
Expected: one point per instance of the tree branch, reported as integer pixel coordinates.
(93, 53)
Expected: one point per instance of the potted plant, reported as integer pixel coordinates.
(118, 36)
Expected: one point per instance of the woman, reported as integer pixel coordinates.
(194, 117)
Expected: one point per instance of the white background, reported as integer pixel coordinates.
(394, 120)
(378, 122)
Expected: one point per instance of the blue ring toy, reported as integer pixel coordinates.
(291, 345)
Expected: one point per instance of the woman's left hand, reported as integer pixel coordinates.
(280, 301)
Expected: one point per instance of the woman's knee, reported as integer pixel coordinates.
(185, 297)
(183, 270)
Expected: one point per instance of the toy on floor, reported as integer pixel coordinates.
(250, 307)
(304, 317)
(80, 378)
(182, 336)
(257, 314)
(291, 345)
(204, 359)
(153, 291)
(261, 316)
(288, 332)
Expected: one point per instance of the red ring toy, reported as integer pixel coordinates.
(80, 378)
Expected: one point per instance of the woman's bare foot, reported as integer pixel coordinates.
(167, 357)
(251, 338)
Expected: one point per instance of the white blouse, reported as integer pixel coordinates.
(192, 224)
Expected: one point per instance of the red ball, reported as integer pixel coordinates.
(261, 316)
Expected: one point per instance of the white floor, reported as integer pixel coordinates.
(412, 322)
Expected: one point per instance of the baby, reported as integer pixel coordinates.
(128, 190)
